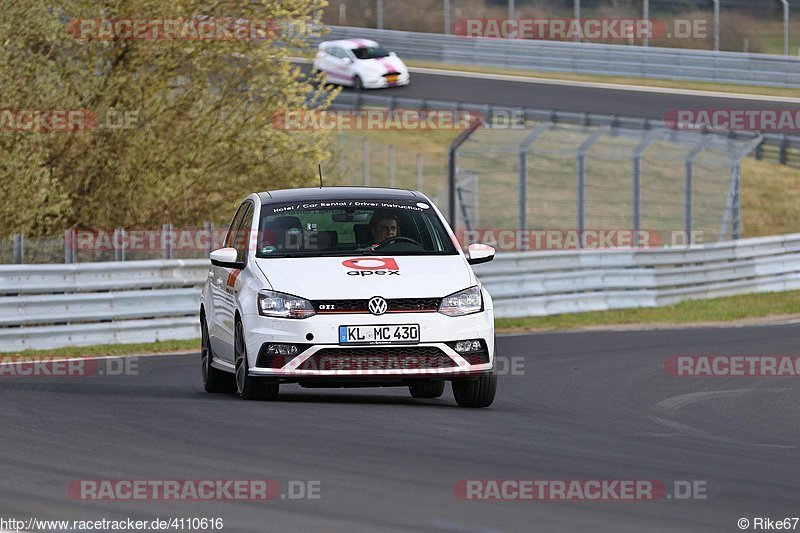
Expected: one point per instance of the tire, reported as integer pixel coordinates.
(426, 389)
(476, 393)
(214, 380)
(247, 386)
(358, 85)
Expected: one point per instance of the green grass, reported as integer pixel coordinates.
(110, 349)
(743, 307)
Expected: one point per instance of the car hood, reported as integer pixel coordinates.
(384, 64)
(323, 278)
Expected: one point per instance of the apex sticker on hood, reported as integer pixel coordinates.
(368, 266)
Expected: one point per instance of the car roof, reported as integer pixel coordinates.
(338, 193)
(349, 43)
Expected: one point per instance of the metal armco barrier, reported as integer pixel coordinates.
(51, 306)
(586, 58)
(548, 283)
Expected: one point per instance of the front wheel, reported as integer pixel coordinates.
(247, 386)
(476, 393)
(357, 83)
(214, 380)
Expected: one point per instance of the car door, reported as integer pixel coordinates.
(342, 65)
(224, 306)
(325, 61)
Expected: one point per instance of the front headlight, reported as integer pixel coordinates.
(463, 302)
(280, 305)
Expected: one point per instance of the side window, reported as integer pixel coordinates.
(235, 223)
(242, 239)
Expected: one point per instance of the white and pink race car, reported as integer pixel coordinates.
(361, 64)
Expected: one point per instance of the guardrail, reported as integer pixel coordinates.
(547, 283)
(586, 58)
(50, 306)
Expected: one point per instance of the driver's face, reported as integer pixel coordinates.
(385, 228)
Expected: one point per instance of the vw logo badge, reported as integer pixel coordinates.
(377, 305)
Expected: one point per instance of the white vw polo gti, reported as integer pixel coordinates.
(346, 287)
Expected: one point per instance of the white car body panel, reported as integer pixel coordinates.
(232, 292)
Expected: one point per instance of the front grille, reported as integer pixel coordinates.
(393, 305)
(378, 358)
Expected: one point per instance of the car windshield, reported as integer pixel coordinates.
(344, 227)
(370, 52)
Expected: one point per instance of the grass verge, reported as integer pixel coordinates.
(147, 348)
(748, 307)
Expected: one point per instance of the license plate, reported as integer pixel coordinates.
(395, 333)
(392, 79)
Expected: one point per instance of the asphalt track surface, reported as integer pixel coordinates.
(629, 103)
(593, 405)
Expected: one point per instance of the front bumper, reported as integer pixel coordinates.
(321, 333)
(381, 82)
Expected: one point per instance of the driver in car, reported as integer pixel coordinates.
(383, 226)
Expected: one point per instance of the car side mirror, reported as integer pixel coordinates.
(225, 258)
(479, 253)
(348, 60)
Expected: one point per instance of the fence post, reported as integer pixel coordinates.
(341, 141)
(166, 240)
(737, 202)
(646, 16)
(581, 186)
(119, 244)
(208, 227)
(451, 169)
(688, 189)
(18, 247)
(419, 172)
(391, 165)
(783, 149)
(366, 161)
(70, 248)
